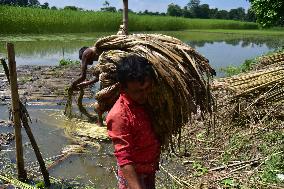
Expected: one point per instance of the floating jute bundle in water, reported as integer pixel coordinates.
(182, 78)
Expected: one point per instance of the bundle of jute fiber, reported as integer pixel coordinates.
(181, 84)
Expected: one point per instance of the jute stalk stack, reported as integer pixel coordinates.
(265, 85)
(182, 78)
(268, 61)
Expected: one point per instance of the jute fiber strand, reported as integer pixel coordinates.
(181, 84)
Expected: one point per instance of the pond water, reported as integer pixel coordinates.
(49, 129)
(221, 49)
(95, 167)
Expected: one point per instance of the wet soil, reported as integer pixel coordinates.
(42, 83)
(224, 156)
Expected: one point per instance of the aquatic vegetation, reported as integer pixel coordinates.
(66, 62)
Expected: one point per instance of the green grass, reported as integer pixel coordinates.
(66, 62)
(244, 67)
(30, 20)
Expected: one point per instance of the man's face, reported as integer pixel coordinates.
(139, 91)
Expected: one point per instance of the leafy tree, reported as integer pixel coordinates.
(193, 3)
(174, 10)
(250, 16)
(106, 4)
(108, 9)
(45, 5)
(194, 8)
(186, 12)
(237, 14)
(22, 3)
(222, 14)
(203, 11)
(74, 8)
(34, 3)
(213, 13)
(53, 8)
(268, 12)
(8, 2)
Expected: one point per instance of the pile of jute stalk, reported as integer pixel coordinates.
(264, 85)
(273, 60)
(181, 84)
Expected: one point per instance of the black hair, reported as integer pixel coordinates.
(134, 68)
(81, 51)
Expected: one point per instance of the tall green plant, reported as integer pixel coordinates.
(36, 20)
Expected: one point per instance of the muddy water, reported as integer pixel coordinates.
(94, 167)
(49, 128)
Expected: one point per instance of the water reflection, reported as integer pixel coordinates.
(222, 54)
(221, 49)
(270, 42)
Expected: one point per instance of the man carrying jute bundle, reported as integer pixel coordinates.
(129, 125)
(182, 78)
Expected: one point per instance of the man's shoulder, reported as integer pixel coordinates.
(118, 109)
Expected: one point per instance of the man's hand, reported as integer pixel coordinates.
(87, 83)
(130, 175)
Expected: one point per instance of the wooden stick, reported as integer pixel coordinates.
(177, 180)
(125, 16)
(22, 175)
(6, 69)
(242, 167)
(234, 164)
(40, 160)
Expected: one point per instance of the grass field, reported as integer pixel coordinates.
(15, 20)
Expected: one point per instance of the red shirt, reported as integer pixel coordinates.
(129, 127)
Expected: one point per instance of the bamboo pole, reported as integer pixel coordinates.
(22, 175)
(125, 16)
(36, 149)
(24, 115)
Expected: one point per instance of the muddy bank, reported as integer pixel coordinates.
(42, 83)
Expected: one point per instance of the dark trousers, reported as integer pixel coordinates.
(147, 181)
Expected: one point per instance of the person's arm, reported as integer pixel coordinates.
(130, 175)
(87, 58)
(120, 132)
(86, 83)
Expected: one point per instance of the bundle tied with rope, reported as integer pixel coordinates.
(181, 84)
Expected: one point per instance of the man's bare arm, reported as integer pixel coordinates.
(87, 59)
(130, 175)
(86, 83)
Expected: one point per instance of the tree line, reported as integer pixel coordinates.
(193, 9)
(34, 4)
